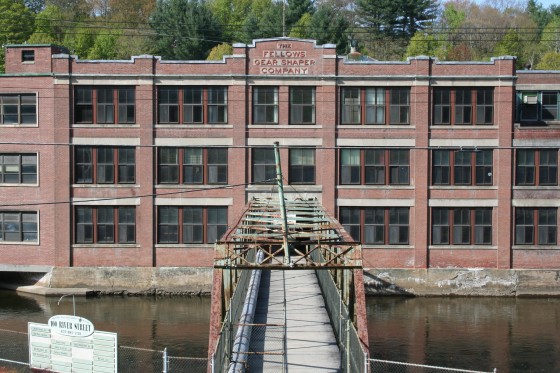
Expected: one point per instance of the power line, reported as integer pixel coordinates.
(105, 199)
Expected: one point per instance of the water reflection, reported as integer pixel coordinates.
(513, 335)
(179, 323)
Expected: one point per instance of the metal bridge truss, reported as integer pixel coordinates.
(303, 236)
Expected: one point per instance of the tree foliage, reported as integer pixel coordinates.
(297, 9)
(219, 51)
(16, 24)
(550, 61)
(327, 26)
(48, 28)
(184, 29)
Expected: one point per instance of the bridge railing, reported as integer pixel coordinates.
(354, 355)
(221, 356)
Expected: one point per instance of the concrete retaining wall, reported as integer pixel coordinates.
(141, 280)
(462, 282)
(198, 281)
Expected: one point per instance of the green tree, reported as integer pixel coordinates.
(104, 47)
(184, 29)
(231, 14)
(48, 27)
(296, 9)
(16, 24)
(302, 28)
(328, 26)
(550, 39)
(264, 21)
(80, 40)
(538, 14)
(397, 17)
(424, 44)
(550, 61)
(219, 51)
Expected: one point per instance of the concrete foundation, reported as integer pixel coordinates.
(119, 280)
(462, 282)
(198, 281)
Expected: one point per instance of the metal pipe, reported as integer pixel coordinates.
(282, 203)
(240, 348)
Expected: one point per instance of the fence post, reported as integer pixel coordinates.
(165, 360)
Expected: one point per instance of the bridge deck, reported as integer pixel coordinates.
(310, 341)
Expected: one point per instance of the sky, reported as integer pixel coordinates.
(544, 3)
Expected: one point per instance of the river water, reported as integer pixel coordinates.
(512, 335)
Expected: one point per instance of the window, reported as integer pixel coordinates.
(462, 167)
(265, 105)
(400, 106)
(18, 109)
(263, 165)
(463, 106)
(536, 167)
(302, 105)
(536, 106)
(192, 165)
(18, 168)
(105, 224)
(19, 226)
(377, 225)
(368, 106)
(104, 104)
(539, 221)
(302, 166)
(461, 226)
(191, 224)
(28, 56)
(192, 105)
(374, 166)
(104, 165)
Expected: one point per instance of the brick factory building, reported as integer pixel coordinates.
(145, 162)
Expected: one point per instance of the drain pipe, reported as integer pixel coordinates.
(239, 353)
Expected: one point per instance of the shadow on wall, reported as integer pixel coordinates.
(375, 286)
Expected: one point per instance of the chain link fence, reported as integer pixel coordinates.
(385, 366)
(14, 357)
(267, 349)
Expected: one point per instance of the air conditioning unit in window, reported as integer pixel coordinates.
(530, 100)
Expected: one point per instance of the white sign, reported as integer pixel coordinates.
(71, 325)
(57, 352)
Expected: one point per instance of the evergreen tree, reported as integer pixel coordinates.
(397, 17)
(296, 9)
(328, 26)
(184, 29)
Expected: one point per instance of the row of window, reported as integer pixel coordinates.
(369, 225)
(194, 165)
(358, 105)
(209, 105)
(449, 226)
(175, 224)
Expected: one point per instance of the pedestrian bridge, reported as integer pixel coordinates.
(288, 293)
